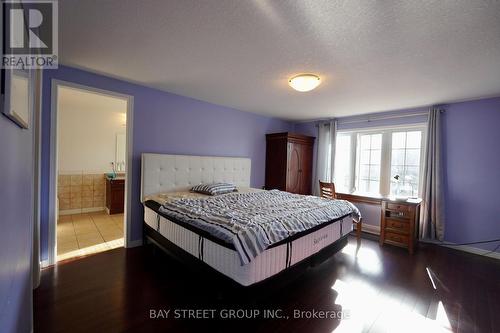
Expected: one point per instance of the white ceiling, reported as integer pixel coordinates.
(371, 55)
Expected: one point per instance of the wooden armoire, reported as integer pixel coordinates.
(289, 160)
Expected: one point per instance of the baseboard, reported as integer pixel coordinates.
(371, 229)
(92, 210)
(135, 243)
(466, 248)
(375, 230)
(70, 211)
(475, 250)
(80, 210)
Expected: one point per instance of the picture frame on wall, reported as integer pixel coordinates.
(15, 89)
(16, 97)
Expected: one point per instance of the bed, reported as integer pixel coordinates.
(166, 180)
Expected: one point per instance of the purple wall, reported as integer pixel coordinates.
(472, 171)
(472, 163)
(167, 123)
(16, 163)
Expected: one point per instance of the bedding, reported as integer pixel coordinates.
(255, 221)
(214, 189)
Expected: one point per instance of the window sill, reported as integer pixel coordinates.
(363, 198)
(373, 199)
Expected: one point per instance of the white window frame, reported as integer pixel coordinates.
(386, 154)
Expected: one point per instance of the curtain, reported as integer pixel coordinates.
(325, 154)
(432, 217)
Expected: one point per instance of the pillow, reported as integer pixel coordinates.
(214, 189)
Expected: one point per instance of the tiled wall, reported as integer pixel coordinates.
(81, 191)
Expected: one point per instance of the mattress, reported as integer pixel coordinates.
(225, 259)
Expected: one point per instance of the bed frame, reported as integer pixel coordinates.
(280, 280)
(168, 173)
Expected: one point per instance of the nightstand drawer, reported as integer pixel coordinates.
(397, 238)
(400, 226)
(398, 207)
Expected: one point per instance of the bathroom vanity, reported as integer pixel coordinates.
(115, 195)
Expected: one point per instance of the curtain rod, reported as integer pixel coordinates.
(368, 119)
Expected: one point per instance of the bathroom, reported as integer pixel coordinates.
(91, 155)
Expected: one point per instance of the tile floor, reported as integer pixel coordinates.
(88, 233)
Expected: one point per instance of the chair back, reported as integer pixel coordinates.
(327, 190)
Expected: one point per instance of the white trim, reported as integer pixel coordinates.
(475, 250)
(37, 172)
(93, 209)
(465, 248)
(386, 163)
(44, 263)
(53, 177)
(369, 119)
(375, 229)
(129, 137)
(34, 120)
(81, 210)
(386, 153)
(383, 128)
(371, 229)
(70, 211)
(54, 163)
(353, 162)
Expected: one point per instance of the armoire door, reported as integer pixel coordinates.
(306, 169)
(293, 179)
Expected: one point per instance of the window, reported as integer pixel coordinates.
(368, 173)
(343, 163)
(379, 162)
(405, 163)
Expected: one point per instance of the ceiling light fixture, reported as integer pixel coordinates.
(304, 82)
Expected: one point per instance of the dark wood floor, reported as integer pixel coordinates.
(377, 290)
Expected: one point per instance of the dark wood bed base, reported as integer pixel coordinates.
(223, 282)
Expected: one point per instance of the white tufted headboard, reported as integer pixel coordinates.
(166, 173)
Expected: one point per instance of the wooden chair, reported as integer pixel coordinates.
(327, 190)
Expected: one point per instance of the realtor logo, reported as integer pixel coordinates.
(30, 34)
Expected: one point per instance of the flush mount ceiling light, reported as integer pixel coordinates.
(304, 82)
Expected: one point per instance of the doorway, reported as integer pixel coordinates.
(90, 168)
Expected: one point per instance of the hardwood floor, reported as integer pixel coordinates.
(375, 289)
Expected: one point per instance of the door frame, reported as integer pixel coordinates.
(52, 238)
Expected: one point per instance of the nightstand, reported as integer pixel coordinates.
(399, 223)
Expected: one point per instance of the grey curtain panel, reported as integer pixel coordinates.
(432, 217)
(326, 153)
